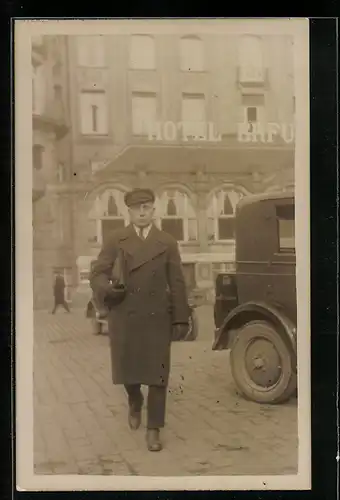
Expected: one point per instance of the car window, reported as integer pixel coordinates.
(286, 228)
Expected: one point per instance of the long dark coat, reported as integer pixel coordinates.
(140, 326)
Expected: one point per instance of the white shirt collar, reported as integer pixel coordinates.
(146, 230)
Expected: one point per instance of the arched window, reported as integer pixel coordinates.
(176, 215)
(221, 214)
(112, 209)
(191, 54)
(142, 52)
(110, 213)
(251, 59)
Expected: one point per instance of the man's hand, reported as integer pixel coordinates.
(179, 331)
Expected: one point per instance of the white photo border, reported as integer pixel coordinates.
(26, 479)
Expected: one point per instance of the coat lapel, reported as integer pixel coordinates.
(140, 251)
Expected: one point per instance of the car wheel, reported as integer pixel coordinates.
(96, 327)
(262, 364)
(193, 327)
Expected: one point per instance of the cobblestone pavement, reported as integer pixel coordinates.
(80, 424)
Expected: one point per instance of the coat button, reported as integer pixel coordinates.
(152, 294)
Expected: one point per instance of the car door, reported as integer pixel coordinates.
(282, 287)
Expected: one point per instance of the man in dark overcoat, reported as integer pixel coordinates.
(59, 293)
(153, 312)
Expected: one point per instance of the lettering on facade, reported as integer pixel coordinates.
(194, 131)
(266, 133)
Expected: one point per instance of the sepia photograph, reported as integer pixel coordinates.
(162, 184)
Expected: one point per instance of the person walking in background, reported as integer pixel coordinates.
(59, 293)
(153, 312)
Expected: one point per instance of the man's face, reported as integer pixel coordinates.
(141, 215)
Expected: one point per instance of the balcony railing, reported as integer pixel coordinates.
(251, 75)
(50, 114)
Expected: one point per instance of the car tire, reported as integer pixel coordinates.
(260, 355)
(97, 327)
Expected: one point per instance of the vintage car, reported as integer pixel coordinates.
(255, 307)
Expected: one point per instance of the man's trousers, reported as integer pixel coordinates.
(155, 403)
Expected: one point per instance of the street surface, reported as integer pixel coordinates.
(80, 418)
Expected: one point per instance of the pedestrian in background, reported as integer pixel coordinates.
(59, 293)
(153, 311)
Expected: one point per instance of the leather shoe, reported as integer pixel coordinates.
(153, 440)
(135, 417)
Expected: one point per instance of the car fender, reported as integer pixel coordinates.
(253, 311)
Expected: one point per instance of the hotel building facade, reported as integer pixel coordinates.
(202, 120)
(50, 127)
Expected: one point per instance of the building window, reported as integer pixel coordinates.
(144, 114)
(93, 113)
(286, 228)
(142, 52)
(91, 51)
(38, 156)
(253, 109)
(251, 59)
(193, 116)
(176, 215)
(221, 215)
(191, 54)
(110, 212)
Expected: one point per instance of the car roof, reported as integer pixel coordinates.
(272, 195)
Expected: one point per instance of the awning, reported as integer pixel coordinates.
(235, 157)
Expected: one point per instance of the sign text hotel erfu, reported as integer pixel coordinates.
(206, 131)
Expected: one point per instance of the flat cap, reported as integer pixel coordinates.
(139, 196)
